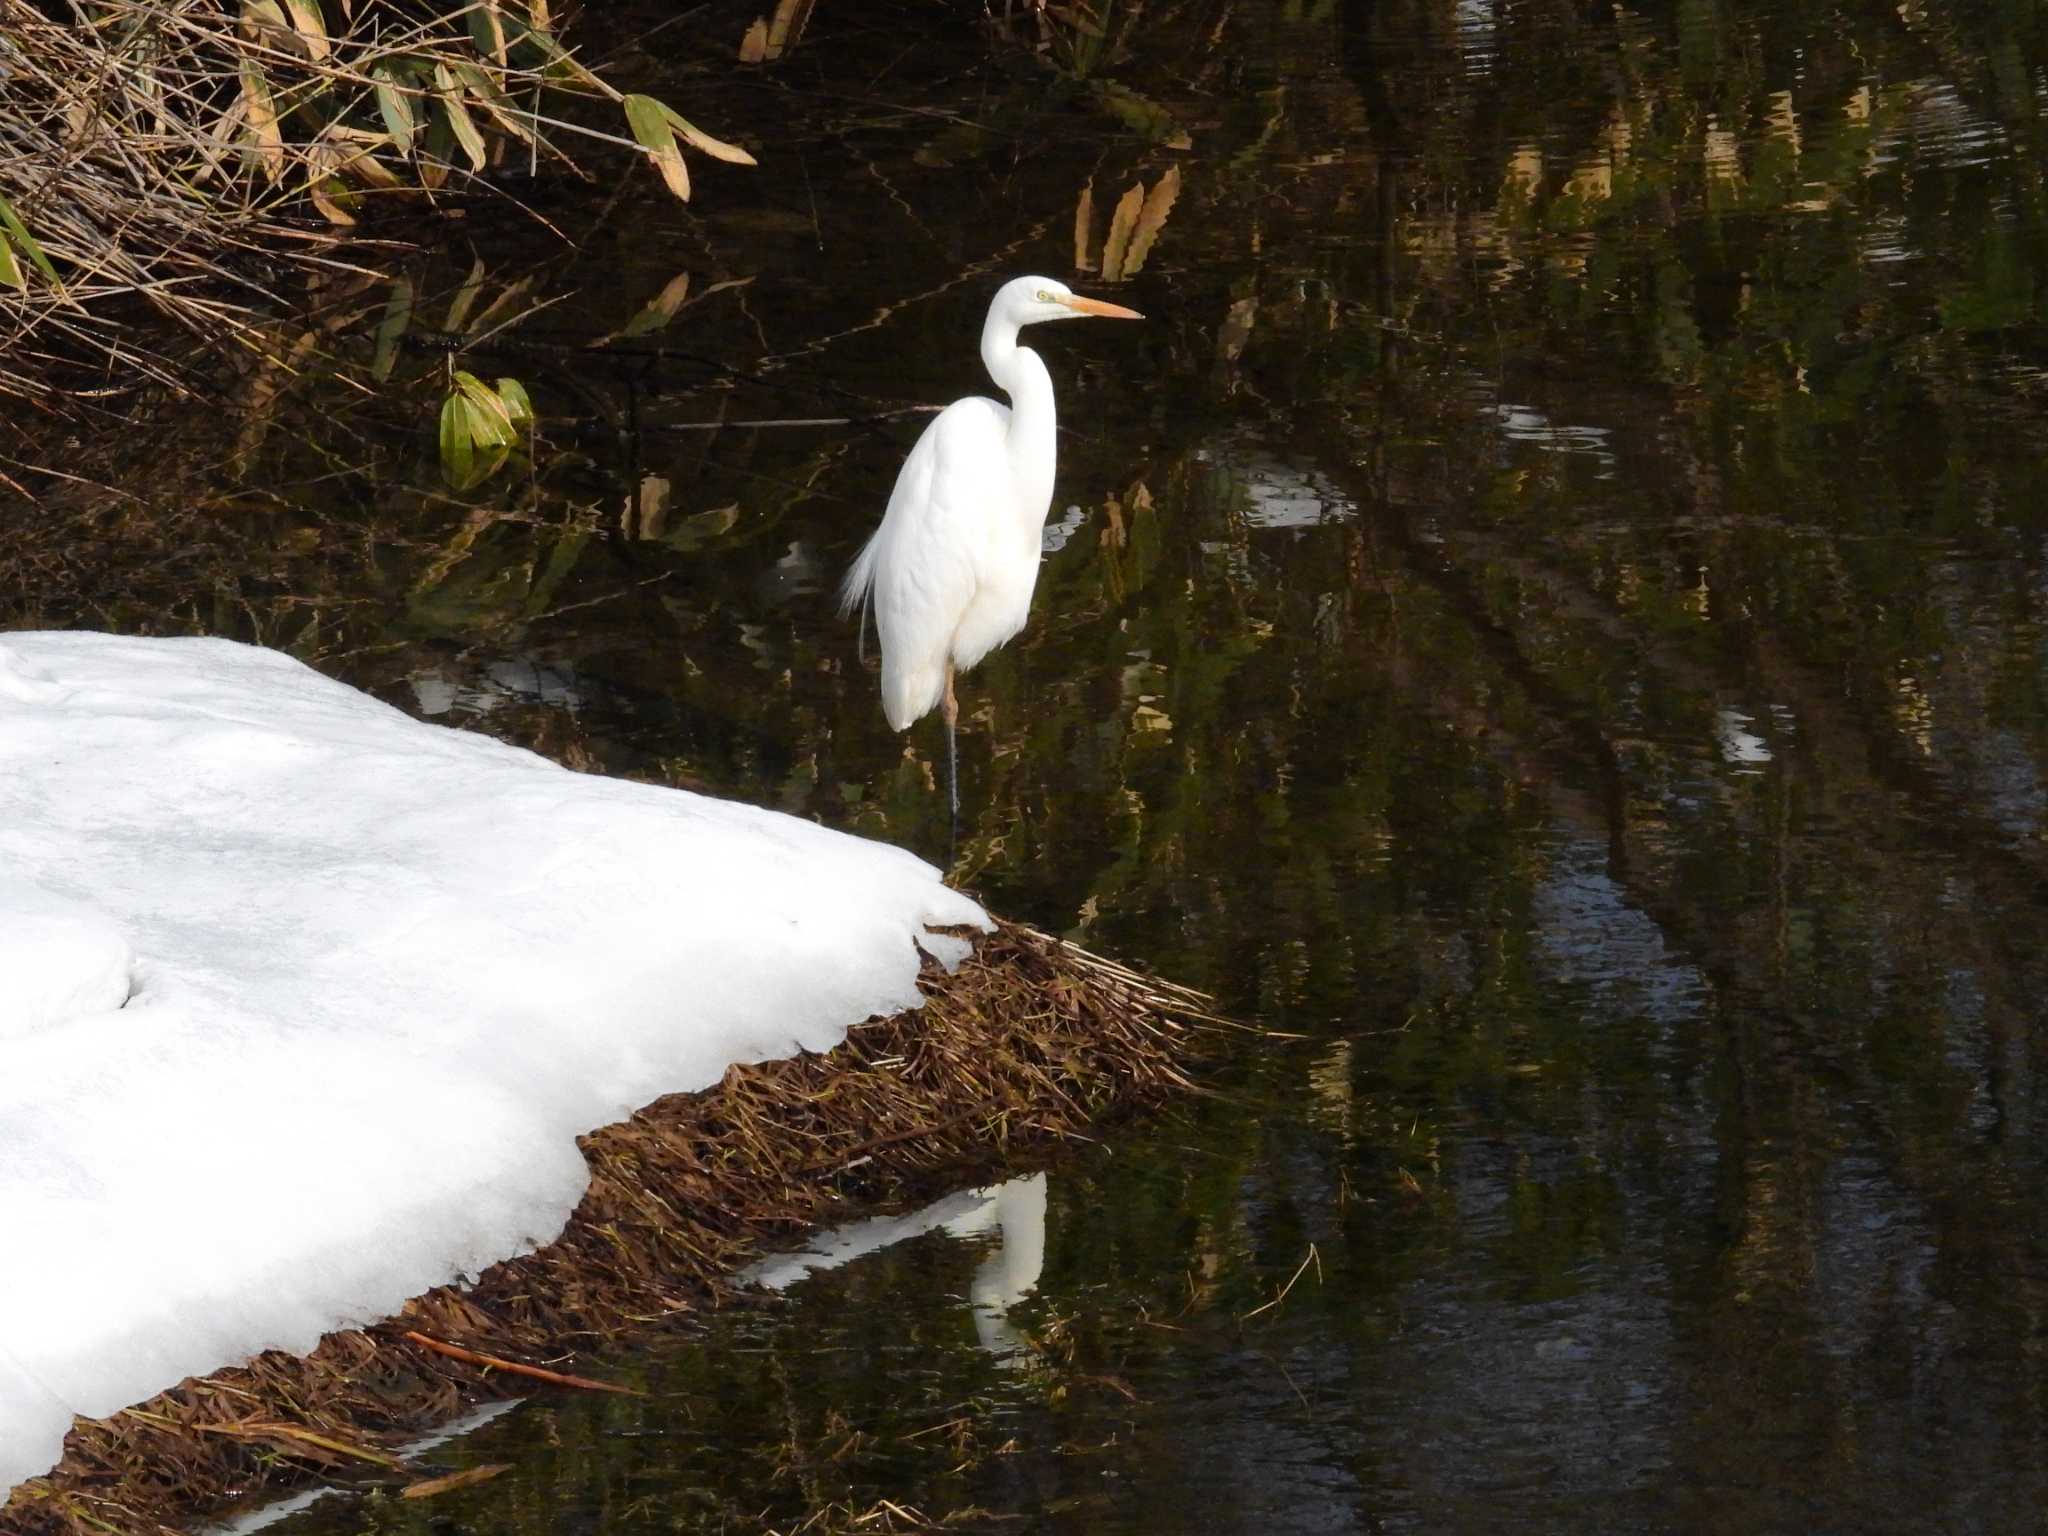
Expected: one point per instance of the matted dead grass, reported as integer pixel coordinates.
(1029, 1043)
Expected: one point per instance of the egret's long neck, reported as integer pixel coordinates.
(1033, 428)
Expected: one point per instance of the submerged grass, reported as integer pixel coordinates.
(1029, 1043)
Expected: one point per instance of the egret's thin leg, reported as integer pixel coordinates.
(950, 708)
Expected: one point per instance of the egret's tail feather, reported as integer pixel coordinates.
(859, 587)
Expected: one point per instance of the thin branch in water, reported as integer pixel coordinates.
(1311, 1257)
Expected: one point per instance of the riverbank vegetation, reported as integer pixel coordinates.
(181, 160)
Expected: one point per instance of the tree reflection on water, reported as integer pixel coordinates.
(1554, 616)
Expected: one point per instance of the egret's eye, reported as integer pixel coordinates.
(1044, 297)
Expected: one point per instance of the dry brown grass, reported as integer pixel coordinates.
(1030, 1043)
(183, 157)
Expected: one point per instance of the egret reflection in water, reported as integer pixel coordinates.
(1013, 1213)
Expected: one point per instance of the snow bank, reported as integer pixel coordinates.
(58, 959)
(325, 994)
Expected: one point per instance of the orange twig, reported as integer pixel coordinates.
(492, 1362)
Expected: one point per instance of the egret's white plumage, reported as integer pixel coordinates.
(950, 572)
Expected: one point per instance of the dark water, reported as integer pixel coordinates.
(1552, 616)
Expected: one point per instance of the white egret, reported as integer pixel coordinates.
(951, 569)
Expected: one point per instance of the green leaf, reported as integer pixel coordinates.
(484, 433)
(12, 222)
(10, 269)
(437, 151)
(476, 433)
(396, 108)
(494, 101)
(518, 405)
(488, 463)
(648, 119)
(490, 418)
(478, 81)
(661, 308)
(391, 330)
(460, 123)
(507, 300)
(487, 29)
(458, 450)
(465, 298)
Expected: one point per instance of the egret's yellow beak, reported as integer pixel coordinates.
(1082, 306)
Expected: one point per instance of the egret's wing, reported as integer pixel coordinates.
(920, 569)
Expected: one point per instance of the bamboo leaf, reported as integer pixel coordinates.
(475, 436)
(259, 111)
(488, 463)
(647, 118)
(560, 63)
(661, 308)
(310, 26)
(494, 101)
(488, 448)
(323, 162)
(518, 404)
(478, 81)
(437, 149)
(458, 452)
(363, 165)
(11, 221)
(263, 23)
(465, 299)
(510, 295)
(395, 106)
(391, 329)
(487, 29)
(717, 149)
(449, 94)
(327, 195)
(477, 425)
(491, 416)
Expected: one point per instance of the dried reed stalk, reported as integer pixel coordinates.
(181, 156)
(1030, 1042)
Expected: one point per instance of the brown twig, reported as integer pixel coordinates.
(513, 1367)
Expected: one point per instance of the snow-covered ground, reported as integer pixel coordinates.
(303, 1003)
